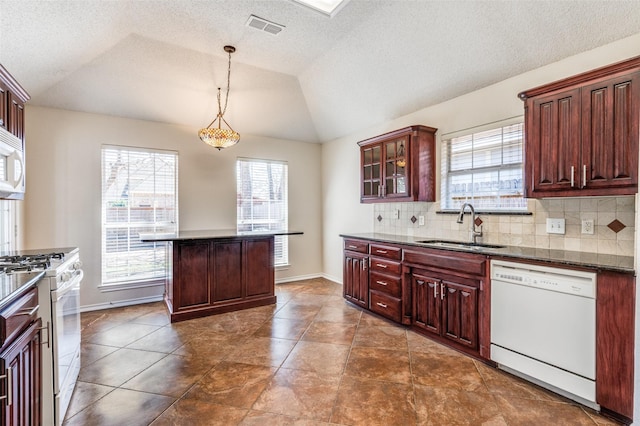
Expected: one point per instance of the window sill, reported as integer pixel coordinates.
(130, 285)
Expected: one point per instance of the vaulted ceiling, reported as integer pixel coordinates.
(318, 79)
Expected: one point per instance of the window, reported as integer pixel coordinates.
(484, 168)
(263, 201)
(139, 194)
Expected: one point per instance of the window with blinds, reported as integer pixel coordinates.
(263, 201)
(139, 195)
(484, 168)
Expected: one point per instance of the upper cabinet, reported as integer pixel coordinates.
(398, 166)
(581, 134)
(12, 100)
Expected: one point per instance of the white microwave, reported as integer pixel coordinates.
(11, 166)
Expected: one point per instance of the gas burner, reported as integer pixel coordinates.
(30, 262)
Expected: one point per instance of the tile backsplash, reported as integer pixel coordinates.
(613, 217)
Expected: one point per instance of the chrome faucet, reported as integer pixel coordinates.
(473, 234)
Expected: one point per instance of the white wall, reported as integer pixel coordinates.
(63, 194)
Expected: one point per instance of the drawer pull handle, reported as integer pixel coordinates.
(584, 175)
(381, 265)
(441, 291)
(381, 282)
(29, 312)
(435, 290)
(382, 305)
(382, 251)
(352, 247)
(9, 396)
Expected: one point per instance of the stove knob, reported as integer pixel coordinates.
(65, 276)
(77, 265)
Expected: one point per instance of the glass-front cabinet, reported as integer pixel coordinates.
(399, 166)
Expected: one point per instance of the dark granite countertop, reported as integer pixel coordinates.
(66, 250)
(624, 264)
(15, 285)
(212, 234)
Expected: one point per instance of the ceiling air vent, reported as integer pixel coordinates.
(264, 25)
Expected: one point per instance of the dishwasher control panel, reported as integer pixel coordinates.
(579, 283)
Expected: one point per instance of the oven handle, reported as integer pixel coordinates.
(48, 334)
(58, 294)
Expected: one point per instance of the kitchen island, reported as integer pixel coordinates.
(216, 271)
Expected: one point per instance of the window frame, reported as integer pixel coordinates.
(281, 243)
(446, 198)
(155, 278)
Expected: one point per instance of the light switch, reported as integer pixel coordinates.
(555, 226)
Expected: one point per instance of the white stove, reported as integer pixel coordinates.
(59, 299)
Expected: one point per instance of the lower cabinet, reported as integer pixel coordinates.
(356, 279)
(21, 366)
(220, 275)
(445, 307)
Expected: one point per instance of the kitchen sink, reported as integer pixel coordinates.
(460, 244)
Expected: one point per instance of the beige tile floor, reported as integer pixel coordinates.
(312, 359)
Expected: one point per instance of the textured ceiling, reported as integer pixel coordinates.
(319, 79)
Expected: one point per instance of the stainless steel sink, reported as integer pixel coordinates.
(460, 244)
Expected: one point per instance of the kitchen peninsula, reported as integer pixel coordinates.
(216, 271)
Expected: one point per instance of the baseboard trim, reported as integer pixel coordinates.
(121, 303)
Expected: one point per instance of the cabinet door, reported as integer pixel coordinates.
(610, 114)
(259, 267)
(552, 146)
(226, 271)
(396, 162)
(426, 303)
(4, 103)
(460, 314)
(15, 116)
(371, 172)
(356, 278)
(191, 264)
(21, 364)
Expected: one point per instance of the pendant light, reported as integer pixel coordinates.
(218, 137)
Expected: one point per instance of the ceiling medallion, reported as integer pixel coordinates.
(218, 137)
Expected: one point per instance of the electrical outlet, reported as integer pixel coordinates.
(421, 220)
(587, 226)
(555, 226)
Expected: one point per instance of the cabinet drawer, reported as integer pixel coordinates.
(385, 305)
(385, 284)
(459, 262)
(386, 251)
(356, 245)
(17, 316)
(385, 266)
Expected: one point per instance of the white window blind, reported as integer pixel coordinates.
(263, 201)
(484, 168)
(139, 194)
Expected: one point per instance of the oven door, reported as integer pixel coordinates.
(66, 329)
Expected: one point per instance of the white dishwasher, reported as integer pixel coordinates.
(543, 327)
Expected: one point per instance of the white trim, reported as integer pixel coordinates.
(121, 303)
(331, 278)
(298, 278)
(139, 149)
(130, 285)
(482, 127)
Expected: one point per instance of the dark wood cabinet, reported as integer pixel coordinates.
(398, 166)
(582, 134)
(12, 100)
(21, 361)
(385, 281)
(445, 307)
(355, 286)
(615, 331)
(213, 276)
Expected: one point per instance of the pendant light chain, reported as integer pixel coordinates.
(226, 100)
